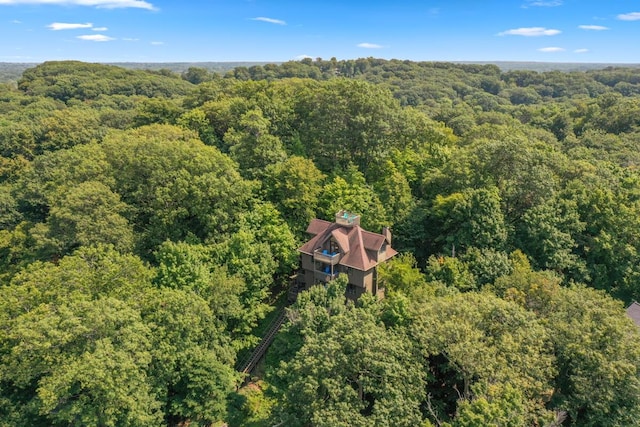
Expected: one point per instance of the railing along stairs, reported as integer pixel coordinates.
(250, 362)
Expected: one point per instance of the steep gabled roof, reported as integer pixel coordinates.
(317, 226)
(359, 248)
(358, 257)
(372, 241)
(342, 239)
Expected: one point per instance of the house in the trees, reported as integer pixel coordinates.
(344, 248)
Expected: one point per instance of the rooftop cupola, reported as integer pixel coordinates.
(347, 218)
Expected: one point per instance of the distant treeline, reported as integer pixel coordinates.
(11, 71)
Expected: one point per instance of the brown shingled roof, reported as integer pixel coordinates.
(317, 226)
(342, 238)
(372, 241)
(358, 246)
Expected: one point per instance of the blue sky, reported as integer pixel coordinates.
(271, 30)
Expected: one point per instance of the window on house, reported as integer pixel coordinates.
(333, 246)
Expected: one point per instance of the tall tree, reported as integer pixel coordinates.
(355, 373)
(471, 342)
(294, 186)
(597, 349)
(352, 193)
(252, 146)
(179, 189)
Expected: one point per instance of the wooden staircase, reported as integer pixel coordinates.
(250, 363)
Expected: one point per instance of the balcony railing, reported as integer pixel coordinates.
(325, 257)
(325, 277)
(347, 218)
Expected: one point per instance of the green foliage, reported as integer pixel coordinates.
(472, 218)
(69, 127)
(196, 75)
(89, 341)
(9, 215)
(547, 235)
(86, 215)
(193, 381)
(501, 405)
(156, 110)
(192, 268)
(511, 182)
(352, 193)
(100, 382)
(401, 274)
(394, 191)
(597, 349)
(268, 227)
(50, 175)
(531, 289)
(310, 314)
(67, 80)
(348, 121)
(250, 407)
(179, 189)
(294, 186)
(73, 351)
(196, 120)
(596, 346)
(252, 146)
(249, 258)
(451, 272)
(476, 342)
(486, 264)
(356, 372)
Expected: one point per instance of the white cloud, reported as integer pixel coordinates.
(530, 32)
(99, 28)
(300, 57)
(543, 3)
(370, 46)
(107, 4)
(16, 58)
(551, 49)
(269, 20)
(15, 21)
(581, 51)
(129, 39)
(57, 26)
(157, 43)
(592, 27)
(96, 38)
(633, 16)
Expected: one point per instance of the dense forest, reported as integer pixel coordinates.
(149, 222)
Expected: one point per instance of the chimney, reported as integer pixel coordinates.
(387, 234)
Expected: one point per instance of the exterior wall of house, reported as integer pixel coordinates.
(361, 279)
(306, 262)
(309, 278)
(354, 292)
(382, 254)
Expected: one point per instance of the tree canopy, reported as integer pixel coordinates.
(149, 222)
